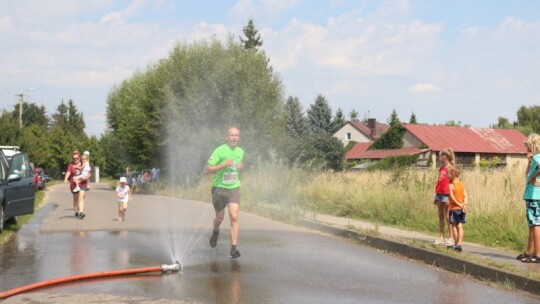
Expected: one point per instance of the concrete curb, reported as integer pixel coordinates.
(430, 257)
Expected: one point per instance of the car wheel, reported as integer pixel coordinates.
(2, 218)
(13, 220)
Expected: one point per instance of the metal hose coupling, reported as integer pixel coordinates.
(175, 267)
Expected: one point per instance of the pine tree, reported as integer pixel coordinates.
(253, 38)
(295, 122)
(320, 116)
(393, 138)
(412, 120)
(338, 121)
(354, 115)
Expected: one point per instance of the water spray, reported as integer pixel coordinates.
(165, 269)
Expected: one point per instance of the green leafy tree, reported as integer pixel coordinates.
(116, 155)
(338, 121)
(32, 114)
(180, 108)
(252, 40)
(320, 116)
(393, 138)
(321, 150)
(413, 120)
(295, 121)
(36, 141)
(529, 118)
(354, 115)
(11, 133)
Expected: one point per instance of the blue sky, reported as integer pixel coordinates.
(469, 61)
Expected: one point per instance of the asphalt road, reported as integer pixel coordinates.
(279, 264)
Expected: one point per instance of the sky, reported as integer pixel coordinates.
(462, 60)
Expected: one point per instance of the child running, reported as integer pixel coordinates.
(532, 200)
(457, 207)
(124, 196)
(84, 168)
(441, 196)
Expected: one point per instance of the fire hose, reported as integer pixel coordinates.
(175, 267)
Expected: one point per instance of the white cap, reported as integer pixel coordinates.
(123, 179)
(86, 153)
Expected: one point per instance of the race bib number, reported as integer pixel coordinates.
(230, 178)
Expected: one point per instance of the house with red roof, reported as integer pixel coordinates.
(470, 145)
(361, 131)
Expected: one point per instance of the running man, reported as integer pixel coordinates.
(226, 163)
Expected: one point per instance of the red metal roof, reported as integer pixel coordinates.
(357, 150)
(466, 139)
(362, 126)
(380, 154)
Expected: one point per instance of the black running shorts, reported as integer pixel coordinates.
(221, 197)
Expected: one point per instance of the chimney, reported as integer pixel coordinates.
(372, 125)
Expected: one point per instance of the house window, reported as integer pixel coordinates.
(348, 135)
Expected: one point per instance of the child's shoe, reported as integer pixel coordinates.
(438, 242)
(76, 189)
(449, 242)
(458, 248)
(451, 247)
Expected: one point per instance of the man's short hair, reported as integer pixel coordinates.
(232, 127)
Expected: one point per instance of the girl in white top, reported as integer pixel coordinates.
(123, 194)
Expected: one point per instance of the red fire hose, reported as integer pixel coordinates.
(163, 268)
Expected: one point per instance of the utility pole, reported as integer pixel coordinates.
(21, 100)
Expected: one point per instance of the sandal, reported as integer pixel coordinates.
(521, 256)
(529, 259)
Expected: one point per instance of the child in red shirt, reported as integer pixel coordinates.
(447, 158)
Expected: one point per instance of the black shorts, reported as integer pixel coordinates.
(221, 197)
(457, 217)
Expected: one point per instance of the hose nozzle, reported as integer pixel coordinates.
(175, 267)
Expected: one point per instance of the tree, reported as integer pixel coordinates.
(295, 122)
(502, 123)
(354, 115)
(412, 120)
(320, 116)
(253, 38)
(393, 138)
(321, 150)
(338, 121)
(32, 114)
(529, 117)
(453, 123)
(179, 109)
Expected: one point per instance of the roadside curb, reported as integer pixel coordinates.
(430, 257)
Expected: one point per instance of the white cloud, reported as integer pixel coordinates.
(424, 87)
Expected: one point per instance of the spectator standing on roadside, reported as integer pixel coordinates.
(442, 196)
(532, 199)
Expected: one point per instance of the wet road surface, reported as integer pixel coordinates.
(279, 264)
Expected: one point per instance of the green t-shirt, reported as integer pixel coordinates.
(227, 177)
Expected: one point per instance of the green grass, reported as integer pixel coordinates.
(11, 229)
(401, 198)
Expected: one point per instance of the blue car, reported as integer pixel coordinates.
(17, 193)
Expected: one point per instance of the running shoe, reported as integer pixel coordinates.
(235, 254)
(214, 238)
(458, 248)
(451, 247)
(77, 214)
(81, 215)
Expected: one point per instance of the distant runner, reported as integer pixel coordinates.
(226, 164)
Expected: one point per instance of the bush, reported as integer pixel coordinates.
(394, 162)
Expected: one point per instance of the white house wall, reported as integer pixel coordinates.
(356, 135)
